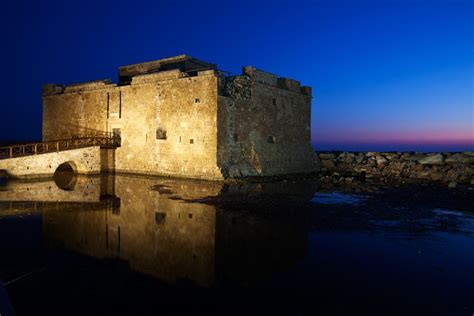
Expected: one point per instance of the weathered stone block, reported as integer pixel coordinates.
(460, 159)
(261, 77)
(51, 89)
(436, 159)
(328, 164)
(327, 156)
(289, 84)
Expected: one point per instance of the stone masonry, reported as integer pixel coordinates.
(89, 160)
(183, 117)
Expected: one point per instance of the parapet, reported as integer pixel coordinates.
(260, 76)
(167, 75)
(270, 79)
(52, 89)
(307, 90)
(179, 67)
(183, 63)
(87, 86)
(289, 84)
(159, 76)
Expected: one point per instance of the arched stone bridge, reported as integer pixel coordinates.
(83, 156)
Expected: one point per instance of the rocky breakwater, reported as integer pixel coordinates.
(449, 168)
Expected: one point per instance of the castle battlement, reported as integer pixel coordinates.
(181, 66)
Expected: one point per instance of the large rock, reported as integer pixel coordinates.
(360, 157)
(417, 157)
(326, 156)
(460, 159)
(392, 156)
(371, 162)
(349, 159)
(381, 160)
(437, 176)
(328, 164)
(436, 159)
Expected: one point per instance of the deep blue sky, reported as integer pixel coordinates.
(385, 74)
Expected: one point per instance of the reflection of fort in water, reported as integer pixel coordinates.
(161, 229)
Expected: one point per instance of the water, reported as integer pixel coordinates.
(338, 198)
(137, 245)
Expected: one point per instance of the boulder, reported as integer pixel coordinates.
(381, 160)
(436, 159)
(417, 157)
(328, 164)
(371, 162)
(419, 167)
(391, 156)
(360, 157)
(326, 156)
(349, 159)
(437, 176)
(452, 175)
(460, 159)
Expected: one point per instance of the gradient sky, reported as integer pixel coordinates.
(386, 75)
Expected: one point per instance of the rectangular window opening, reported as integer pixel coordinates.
(108, 105)
(191, 141)
(274, 102)
(117, 133)
(160, 133)
(120, 104)
(160, 218)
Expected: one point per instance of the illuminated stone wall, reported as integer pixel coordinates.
(168, 126)
(75, 110)
(83, 161)
(266, 129)
(192, 123)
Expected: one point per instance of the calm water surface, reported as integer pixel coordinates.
(114, 245)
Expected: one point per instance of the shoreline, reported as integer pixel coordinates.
(451, 168)
(344, 167)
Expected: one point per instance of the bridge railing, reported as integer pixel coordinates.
(108, 140)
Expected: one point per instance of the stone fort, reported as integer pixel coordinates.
(184, 117)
